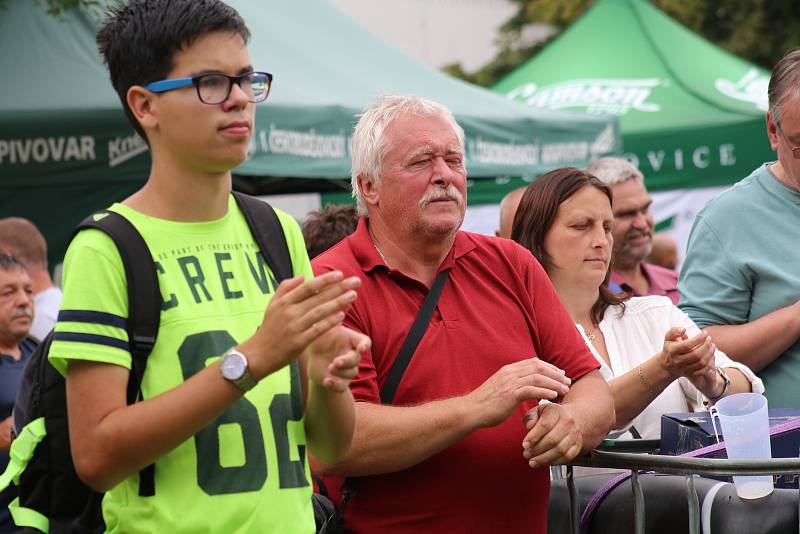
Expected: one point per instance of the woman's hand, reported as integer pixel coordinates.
(689, 357)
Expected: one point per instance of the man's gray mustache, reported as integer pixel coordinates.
(451, 193)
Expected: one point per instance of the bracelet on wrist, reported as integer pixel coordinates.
(647, 385)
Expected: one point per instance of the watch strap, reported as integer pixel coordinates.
(244, 382)
(726, 384)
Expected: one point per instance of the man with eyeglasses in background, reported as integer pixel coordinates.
(232, 395)
(741, 276)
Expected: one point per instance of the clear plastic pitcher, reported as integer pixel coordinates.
(745, 429)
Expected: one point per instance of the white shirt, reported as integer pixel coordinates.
(636, 337)
(45, 311)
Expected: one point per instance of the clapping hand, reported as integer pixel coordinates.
(334, 357)
(300, 312)
(692, 358)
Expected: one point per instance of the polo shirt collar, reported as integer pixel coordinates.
(368, 258)
(656, 282)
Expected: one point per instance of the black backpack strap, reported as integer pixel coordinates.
(144, 306)
(144, 303)
(268, 233)
(413, 338)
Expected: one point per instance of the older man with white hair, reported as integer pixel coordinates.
(632, 230)
(464, 444)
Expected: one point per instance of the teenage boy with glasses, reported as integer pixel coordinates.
(224, 462)
(740, 277)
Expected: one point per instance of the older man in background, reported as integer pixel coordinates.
(632, 230)
(20, 238)
(465, 444)
(16, 316)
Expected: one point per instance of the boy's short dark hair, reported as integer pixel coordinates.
(139, 38)
(324, 228)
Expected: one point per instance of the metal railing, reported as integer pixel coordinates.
(675, 465)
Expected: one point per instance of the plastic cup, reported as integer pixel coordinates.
(745, 428)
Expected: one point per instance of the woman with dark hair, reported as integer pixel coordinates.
(654, 357)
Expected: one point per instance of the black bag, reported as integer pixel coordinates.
(324, 509)
(51, 496)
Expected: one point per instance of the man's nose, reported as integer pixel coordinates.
(640, 220)
(442, 173)
(23, 299)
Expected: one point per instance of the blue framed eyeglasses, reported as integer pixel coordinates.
(215, 88)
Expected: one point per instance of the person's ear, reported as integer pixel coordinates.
(142, 105)
(369, 189)
(772, 131)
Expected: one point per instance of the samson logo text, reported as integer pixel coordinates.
(601, 97)
(751, 88)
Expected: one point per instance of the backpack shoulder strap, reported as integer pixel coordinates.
(268, 233)
(144, 306)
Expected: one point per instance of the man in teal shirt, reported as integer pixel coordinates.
(741, 275)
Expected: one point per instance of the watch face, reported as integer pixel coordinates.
(233, 366)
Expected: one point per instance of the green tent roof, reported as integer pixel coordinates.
(691, 114)
(66, 148)
(327, 68)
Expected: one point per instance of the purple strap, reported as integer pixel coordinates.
(608, 487)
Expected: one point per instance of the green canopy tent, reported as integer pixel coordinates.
(691, 114)
(66, 148)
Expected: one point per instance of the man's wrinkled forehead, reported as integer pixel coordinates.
(413, 128)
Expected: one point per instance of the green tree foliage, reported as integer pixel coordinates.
(57, 7)
(757, 30)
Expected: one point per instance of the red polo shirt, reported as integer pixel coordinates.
(497, 307)
(663, 282)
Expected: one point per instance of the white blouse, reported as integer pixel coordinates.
(638, 335)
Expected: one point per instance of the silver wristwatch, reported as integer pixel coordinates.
(234, 368)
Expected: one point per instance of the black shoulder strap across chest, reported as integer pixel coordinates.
(350, 485)
(413, 338)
